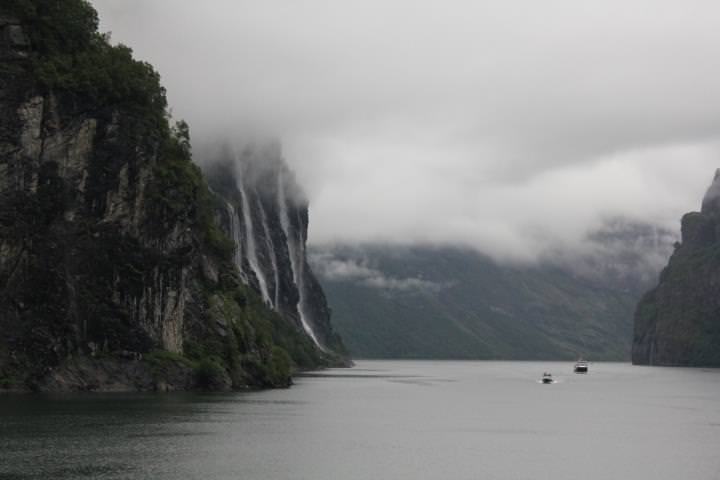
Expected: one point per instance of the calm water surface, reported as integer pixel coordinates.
(384, 420)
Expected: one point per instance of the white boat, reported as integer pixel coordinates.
(547, 378)
(581, 367)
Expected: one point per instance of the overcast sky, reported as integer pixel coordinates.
(509, 126)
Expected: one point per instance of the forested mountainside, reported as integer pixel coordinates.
(678, 321)
(115, 271)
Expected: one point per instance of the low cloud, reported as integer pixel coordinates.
(511, 127)
(520, 220)
(329, 267)
(625, 251)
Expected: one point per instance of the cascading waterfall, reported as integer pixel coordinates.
(273, 256)
(300, 263)
(250, 243)
(295, 249)
(243, 230)
(235, 232)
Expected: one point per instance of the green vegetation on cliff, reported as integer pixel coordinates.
(69, 55)
(113, 269)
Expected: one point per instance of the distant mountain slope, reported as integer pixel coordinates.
(678, 322)
(391, 302)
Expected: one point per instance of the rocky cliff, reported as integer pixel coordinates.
(114, 271)
(678, 322)
(266, 215)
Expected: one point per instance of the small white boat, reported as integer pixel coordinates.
(581, 367)
(547, 378)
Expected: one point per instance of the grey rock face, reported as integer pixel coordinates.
(14, 44)
(73, 187)
(113, 272)
(678, 322)
(84, 270)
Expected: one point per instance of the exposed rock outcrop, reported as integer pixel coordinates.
(114, 271)
(678, 322)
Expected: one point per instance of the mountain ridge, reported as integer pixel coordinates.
(441, 302)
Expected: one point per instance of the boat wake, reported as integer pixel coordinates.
(554, 380)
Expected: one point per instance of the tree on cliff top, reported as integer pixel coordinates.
(69, 56)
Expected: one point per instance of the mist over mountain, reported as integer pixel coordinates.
(265, 214)
(422, 302)
(515, 129)
(502, 190)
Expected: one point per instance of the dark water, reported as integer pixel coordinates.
(384, 420)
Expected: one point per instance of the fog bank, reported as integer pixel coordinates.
(515, 128)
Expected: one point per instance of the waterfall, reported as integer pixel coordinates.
(300, 268)
(250, 242)
(273, 256)
(297, 260)
(235, 233)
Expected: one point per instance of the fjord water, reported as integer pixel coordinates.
(384, 420)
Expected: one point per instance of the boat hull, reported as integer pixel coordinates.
(581, 369)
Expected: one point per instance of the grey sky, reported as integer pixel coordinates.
(504, 125)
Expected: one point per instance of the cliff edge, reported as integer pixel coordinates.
(115, 273)
(678, 322)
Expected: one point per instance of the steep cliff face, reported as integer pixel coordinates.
(678, 322)
(266, 215)
(114, 273)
